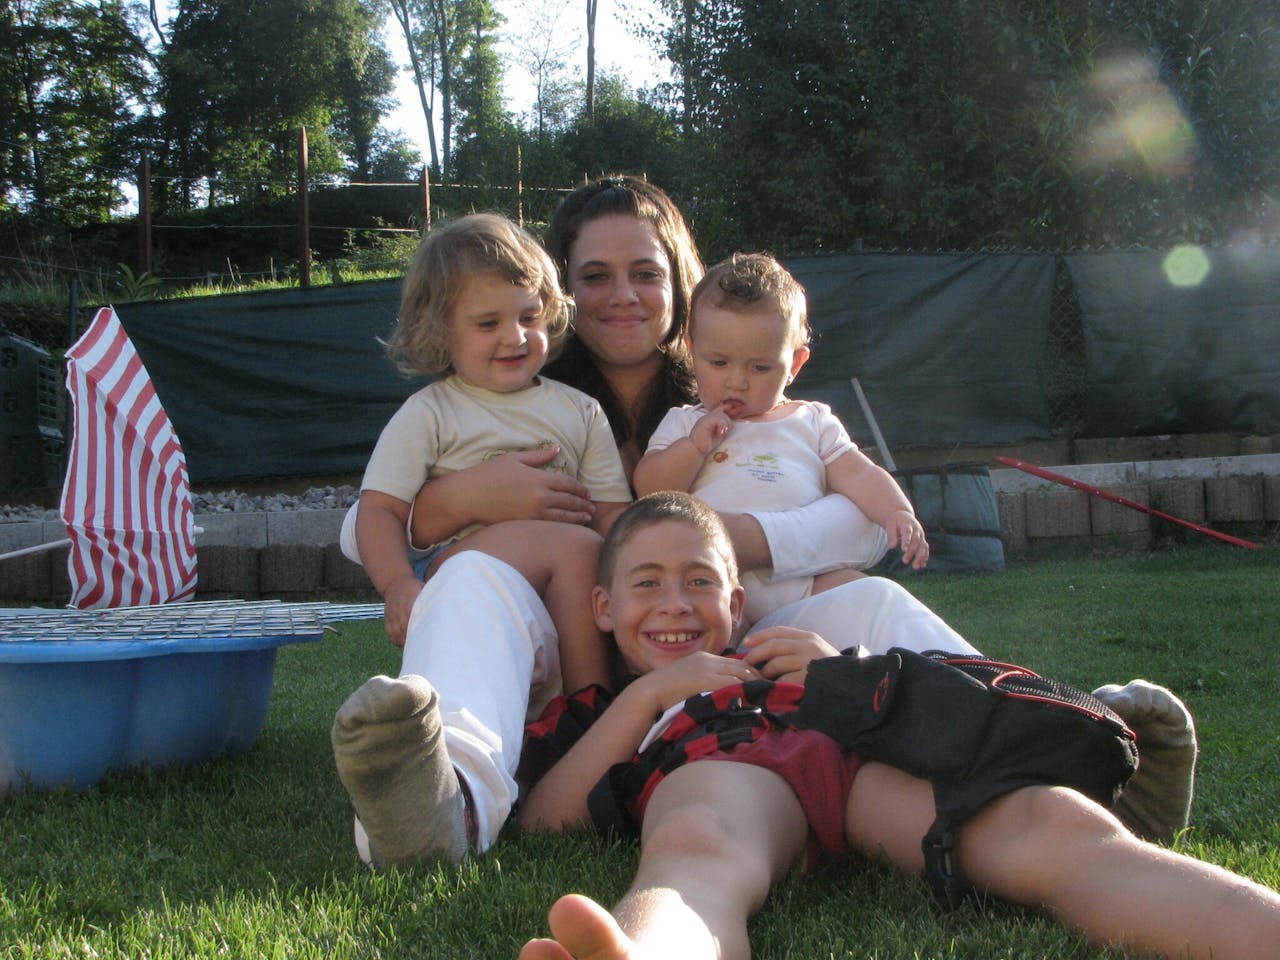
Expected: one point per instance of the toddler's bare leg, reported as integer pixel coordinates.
(836, 578)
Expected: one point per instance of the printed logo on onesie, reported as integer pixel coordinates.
(761, 467)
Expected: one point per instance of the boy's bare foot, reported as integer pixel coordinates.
(1156, 802)
(388, 745)
(583, 930)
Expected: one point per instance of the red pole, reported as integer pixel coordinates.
(1123, 501)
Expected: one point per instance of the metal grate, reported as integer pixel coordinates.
(181, 621)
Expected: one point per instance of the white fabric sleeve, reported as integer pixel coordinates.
(873, 612)
(675, 425)
(482, 637)
(600, 469)
(824, 535)
(833, 439)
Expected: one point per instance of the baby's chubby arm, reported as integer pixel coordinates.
(784, 653)
(676, 467)
(878, 495)
(559, 800)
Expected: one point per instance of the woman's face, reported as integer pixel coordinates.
(620, 278)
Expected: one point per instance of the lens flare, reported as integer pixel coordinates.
(1146, 124)
(1186, 266)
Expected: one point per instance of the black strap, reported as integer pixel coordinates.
(940, 870)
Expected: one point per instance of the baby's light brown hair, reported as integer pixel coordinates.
(748, 281)
(475, 244)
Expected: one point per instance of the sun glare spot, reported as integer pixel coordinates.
(1186, 266)
(1146, 124)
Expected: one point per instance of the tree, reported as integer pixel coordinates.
(543, 46)
(592, 7)
(367, 79)
(71, 79)
(420, 41)
(1041, 123)
(240, 77)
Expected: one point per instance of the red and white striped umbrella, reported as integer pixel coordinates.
(126, 499)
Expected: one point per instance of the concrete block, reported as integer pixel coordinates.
(20, 535)
(1012, 508)
(1107, 518)
(1256, 445)
(1237, 499)
(232, 530)
(290, 569)
(29, 579)
(1181, 497)
(227, 571)
(1057, 512)
(341, 574)
(315, 527)
(1271, 499)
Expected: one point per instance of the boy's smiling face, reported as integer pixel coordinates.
(670, 595)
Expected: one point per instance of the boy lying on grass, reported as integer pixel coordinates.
(719, 829)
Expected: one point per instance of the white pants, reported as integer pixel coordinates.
(482, 637)
(874, 612)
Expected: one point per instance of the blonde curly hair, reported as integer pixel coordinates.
(447, 256)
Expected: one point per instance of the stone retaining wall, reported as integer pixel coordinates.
(295, 555)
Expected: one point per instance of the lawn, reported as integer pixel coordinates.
(252, 856)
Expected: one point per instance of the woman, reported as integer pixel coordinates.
(431, 767)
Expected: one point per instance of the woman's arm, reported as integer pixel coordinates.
(828, 533)
(506, 487)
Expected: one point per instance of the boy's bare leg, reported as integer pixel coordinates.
(559, 561)
(701, 874)
(1051, 848)
(1156, 802)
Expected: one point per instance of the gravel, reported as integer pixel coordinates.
(226, 501)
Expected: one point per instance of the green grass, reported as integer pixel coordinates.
(252, 856)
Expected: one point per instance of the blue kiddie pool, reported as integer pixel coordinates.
(87, 691)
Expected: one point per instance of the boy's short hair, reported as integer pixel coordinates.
(657, 508)
(475, 244)
(746, 280)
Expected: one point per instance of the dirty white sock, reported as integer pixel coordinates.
(388, 745)
(1156, 802)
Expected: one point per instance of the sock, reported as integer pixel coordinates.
(1156, 802)
(388, 745)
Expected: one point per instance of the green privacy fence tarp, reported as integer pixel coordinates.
(282, 383)
(950, 349)
(947, 347)
(1201, 357)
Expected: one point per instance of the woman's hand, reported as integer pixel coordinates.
(697, 673)
(784, 653)
(510, 486)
